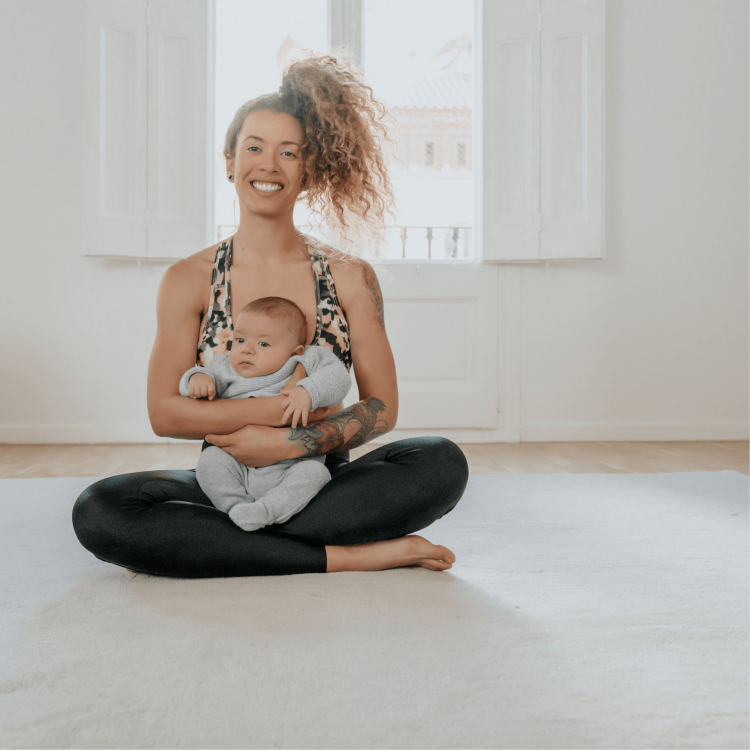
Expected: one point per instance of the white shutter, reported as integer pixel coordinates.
(178, 126)
(511, 130)
(115, 189)
(572, 198)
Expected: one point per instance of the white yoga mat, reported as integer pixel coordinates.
(584, 611)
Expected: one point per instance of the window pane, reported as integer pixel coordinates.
(418, 60)
(254, 41)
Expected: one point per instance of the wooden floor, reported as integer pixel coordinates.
(486, 458)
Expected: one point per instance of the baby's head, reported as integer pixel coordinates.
(266, 333)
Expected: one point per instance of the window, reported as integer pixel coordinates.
(154, 160)
(424, 78)
(461, 154)
(243, 71)
(429, 153)
(420, 60)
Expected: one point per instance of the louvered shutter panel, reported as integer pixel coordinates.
(572, 129)
(179, 115)
(511, 130)
(115, 189)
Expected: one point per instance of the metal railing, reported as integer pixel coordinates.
(451, 240)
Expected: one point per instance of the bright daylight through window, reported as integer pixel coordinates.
(418, 58)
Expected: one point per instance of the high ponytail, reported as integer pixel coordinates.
(345, 174)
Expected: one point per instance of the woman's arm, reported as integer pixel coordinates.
(376, 412)
(179, 309)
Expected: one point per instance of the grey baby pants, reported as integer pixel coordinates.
(257, 497)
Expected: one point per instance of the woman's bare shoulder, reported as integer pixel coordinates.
(189, 277)
(346, 265)
(352, 274)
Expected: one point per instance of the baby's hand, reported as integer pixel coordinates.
(201, 386)
(298, 403)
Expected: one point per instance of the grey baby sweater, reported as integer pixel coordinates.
(327, 379)
(257, 497)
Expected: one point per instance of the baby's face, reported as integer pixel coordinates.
(261, 345)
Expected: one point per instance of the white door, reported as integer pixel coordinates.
(442, 322)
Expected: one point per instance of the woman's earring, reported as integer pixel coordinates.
(230, 178)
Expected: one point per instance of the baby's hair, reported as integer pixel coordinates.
(279, 308)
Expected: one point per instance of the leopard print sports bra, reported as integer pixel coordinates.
(216, 329)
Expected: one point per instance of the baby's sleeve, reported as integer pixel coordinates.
(204, 371)
(327, 379)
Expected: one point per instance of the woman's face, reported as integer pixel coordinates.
(267, 164)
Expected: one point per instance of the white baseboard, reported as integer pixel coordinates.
(82, 434)
(590, 432)
(540, 432)
(530, 433)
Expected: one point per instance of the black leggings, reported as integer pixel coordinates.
(161, 522)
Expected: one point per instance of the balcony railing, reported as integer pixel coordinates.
(410, 242)
(452, 245)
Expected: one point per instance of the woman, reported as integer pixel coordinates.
(316, 135)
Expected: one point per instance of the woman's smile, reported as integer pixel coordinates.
(267, 187)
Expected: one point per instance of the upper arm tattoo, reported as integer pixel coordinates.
(371, 282)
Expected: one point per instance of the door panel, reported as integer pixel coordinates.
(116, 189)
(572, 129)
(442, 325)
(177, 130)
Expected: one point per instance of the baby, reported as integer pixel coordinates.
(267, 343)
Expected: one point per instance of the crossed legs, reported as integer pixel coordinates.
(162, 523)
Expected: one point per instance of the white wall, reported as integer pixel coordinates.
(652, 341)
(77, 331)
(649, 343)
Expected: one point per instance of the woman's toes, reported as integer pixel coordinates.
(429, 555)
(435, 565)
(446, 554)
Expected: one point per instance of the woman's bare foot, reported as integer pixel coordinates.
(391, 553)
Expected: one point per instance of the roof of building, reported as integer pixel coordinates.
(431, 92)
(434, 84)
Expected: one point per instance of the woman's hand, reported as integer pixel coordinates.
(254, 445)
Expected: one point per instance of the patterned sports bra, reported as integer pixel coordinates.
(331, 331)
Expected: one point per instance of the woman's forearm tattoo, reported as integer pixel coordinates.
(371, 282)
(328, 436)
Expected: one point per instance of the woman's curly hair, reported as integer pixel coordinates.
(345, 174)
